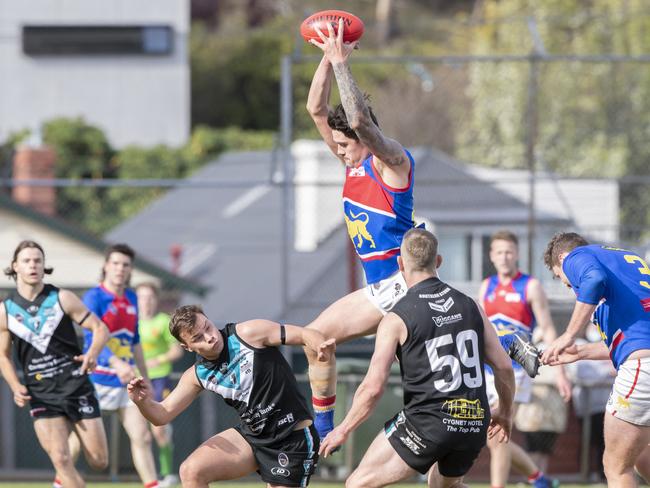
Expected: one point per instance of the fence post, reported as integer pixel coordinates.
(585, 439)
(114, 449)
(7, 428)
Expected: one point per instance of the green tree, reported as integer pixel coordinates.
(593, 117)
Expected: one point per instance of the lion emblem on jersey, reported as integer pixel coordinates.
(357, 228)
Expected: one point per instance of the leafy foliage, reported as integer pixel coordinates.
(84, 152)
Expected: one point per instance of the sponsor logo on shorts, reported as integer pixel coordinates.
(622, 402)
(441, 320)
(278, 471)
(442, 305)
(413, 447)
(283, 460)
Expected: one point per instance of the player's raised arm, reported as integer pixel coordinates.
(387, 150)
(161, 413)
(318, 102)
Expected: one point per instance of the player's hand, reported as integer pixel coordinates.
(569, 355)
(139, 389)
(21, 396)
(500, 426)
(557, 347)
(326, 350)
(152, 363)
(332, 441)
(332, 45)
(123, 370)
(88, 362)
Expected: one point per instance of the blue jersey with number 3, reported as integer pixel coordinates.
(618, 281)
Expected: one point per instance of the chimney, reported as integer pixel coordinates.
(176, 253)
(34, 163)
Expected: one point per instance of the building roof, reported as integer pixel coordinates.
(68, 230)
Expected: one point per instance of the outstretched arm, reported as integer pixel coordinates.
(318, 102)
(265, 333)
(387, 150)
(390, 333)
(161, 413)
(592, 350)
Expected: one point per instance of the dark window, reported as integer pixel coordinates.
(48, 40)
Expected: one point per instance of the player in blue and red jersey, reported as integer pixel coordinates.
(116, 305)
(515, 303)
(377, 205)
(612, 287)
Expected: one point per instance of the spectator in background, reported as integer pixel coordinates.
(593, 382)
(160, 351)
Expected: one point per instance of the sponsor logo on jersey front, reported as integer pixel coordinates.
(286, 419)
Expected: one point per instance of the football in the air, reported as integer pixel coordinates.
(352, 25)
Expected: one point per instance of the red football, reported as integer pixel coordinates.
(352, 25)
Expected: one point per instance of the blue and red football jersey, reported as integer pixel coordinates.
(377, 217)
(506, 305)
(618, 282)
(120, 314)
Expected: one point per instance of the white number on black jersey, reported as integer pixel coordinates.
(452, 361)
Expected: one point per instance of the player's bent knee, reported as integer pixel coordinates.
(358, 480)
(614, 466)
(97, 460)
(190, 472)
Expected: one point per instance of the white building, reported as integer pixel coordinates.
(122, 65)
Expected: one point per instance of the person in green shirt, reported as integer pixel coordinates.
(160, 350)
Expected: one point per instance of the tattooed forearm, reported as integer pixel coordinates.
(358, 115)
(352, 99)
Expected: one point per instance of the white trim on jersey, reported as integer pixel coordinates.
(368, 207)
(38, 340)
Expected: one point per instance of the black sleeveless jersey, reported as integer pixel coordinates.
(45, 342)
(442, 360)
(259, 384)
